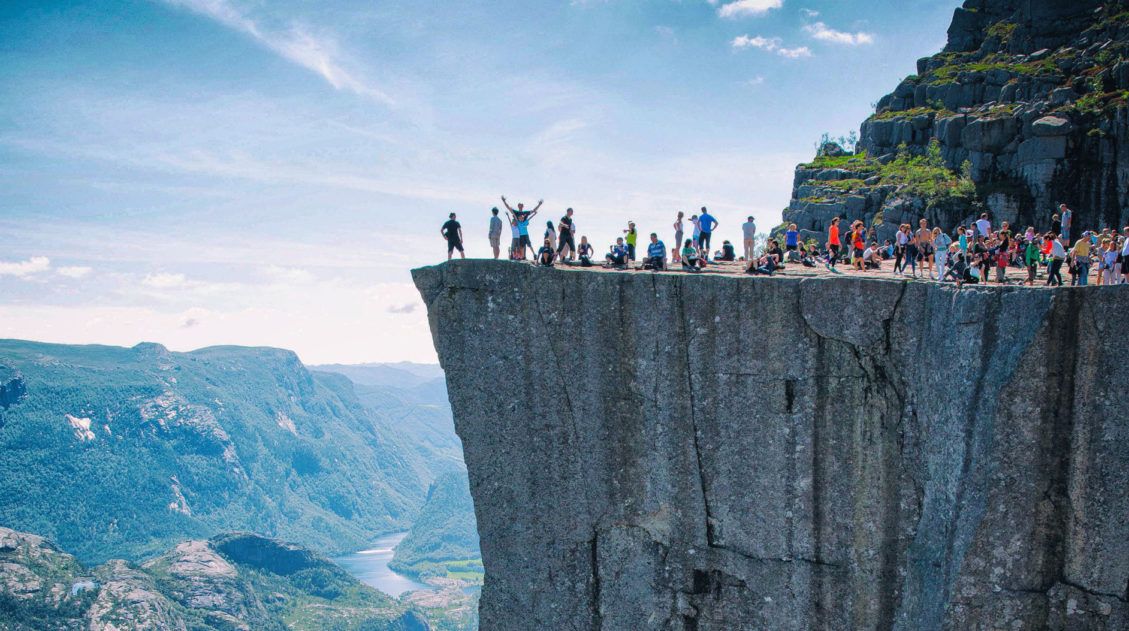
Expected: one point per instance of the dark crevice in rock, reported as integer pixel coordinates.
(694, 426)
(594, 556)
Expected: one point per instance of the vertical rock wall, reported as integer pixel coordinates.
(704, 452)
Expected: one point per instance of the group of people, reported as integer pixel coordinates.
(967, 256)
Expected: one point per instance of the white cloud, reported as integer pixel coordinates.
(74, 271)
(22, 269)
(809, 13)
(289, 275)
(822, 32)
(742, 8)
(755, 81)
(317, 54)
(164, 280)
(770, 44)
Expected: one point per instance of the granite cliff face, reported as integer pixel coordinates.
(1027, 107)
(705, 452)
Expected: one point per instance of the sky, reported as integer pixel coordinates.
(266, 173)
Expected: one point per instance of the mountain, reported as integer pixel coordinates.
(443, 540)
(1025, 108)
(399, 374)
(230, 582)
(417, 407)
(124, 452)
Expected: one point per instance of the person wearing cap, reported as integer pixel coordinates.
(632, 235)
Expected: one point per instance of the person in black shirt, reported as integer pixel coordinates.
(566, 242)
(453, 233)
(585, 252)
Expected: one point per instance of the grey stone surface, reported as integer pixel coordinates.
(716, 453)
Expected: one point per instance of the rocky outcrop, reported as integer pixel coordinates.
(234, 582)
(706, 452)
(1028, 102)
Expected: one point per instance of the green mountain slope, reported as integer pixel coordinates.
(230, 582)
(443, 540)
(117, 452)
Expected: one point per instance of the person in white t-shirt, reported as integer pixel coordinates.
(984, 226)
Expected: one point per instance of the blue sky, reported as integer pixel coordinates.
(197, 172)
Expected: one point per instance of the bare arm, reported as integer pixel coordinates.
(539, 202)
(506, 204)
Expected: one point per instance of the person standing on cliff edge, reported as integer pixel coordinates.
(453, 233)
(522, 217)
(749, 231)
(495, 232)
(708, 224)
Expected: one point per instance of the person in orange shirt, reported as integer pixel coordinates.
(833, 244)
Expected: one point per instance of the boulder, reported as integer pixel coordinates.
(989, 134)
(1042, 148)
(1052, 126)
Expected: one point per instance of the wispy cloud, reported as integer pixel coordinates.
(316, 54)
(743, 8)
(770, 44)
(822, 32)
(164, 280)
(74, 271)
(809, 13)
(23, 269)
(755, 81)
(403, 309)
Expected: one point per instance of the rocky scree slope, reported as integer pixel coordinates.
(1027, 107)
(690, 453)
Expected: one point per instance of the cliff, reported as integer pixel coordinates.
(1025, 108)
(703, 452)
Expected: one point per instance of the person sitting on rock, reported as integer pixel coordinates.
(691, 262)
(772, 248)
(656, 254)
(547, 254)
(957, 267)
(871, 258)
(728, 253)
(584, 252)
(617, 257)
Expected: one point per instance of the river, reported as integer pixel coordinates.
(371, 567)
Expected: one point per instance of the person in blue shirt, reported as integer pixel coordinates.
(521, 218)
(656, 254)
(708, 225)
(791, 238)
(617, 257)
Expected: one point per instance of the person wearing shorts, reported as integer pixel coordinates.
(925, 248)
(707, 224)
(566, 242)
(495, 232)
(453, 233)
(833, 243)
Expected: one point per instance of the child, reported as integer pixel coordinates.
(1001, 265)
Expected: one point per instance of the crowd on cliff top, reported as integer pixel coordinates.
(980, 252)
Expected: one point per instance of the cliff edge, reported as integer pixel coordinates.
(704, 452)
